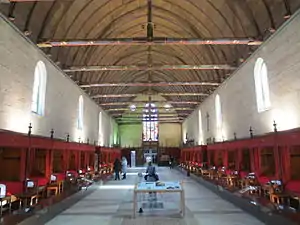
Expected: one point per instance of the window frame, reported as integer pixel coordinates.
(100, 131)
(80, 113)
(150, 117)
(39, 89)
(219, 117)
(262, 88)
(200, 128)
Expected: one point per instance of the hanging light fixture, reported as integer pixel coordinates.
(132, 107)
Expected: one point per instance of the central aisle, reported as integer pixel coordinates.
(111, 204)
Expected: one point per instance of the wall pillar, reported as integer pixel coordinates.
(225, 158)
(32, 161)
(86, 160)
(285, 155)
(216, 157)
(77, 160)
(208, 158)
(238, 159)
(23, 164)
(66, 160)
(49, 163)
(278, 169)
(255, 160)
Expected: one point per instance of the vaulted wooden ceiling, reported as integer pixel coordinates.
(138, 31)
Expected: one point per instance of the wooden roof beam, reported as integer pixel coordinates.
(147, 68)
(166, 109)
(144, 102)
(135, 95)
(152, 84)
(143, 41)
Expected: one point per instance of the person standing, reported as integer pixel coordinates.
(171, 162)
(124, 167)
(151, 176)
(117, 168)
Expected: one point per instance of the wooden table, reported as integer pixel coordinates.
(60, 186)
(205, 173)
(8, 201)
(53, 187)
(297, 198)
(231, 180)
(57, 187)
(143, 187)
(24, 197)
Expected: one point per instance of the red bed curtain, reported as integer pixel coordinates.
(285, 155)
(199, 158)
(208, 158)
(216, 157)
(255, 160)
(278, 171)
(238, 159)
(225, 158)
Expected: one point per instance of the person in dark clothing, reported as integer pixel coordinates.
(171, 162)
(151, 173)
(117, 168)
(151, 177)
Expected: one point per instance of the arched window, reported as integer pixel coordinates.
(39, 89)
(150, 122)
(80, 113)
(100, 135)
(200, 128)
(218, 117)
(261, 85)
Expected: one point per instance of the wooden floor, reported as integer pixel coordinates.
(111, 204)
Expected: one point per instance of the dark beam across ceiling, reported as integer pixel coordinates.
(158, 119)
(144, 102)
(170, 113)
(159, 108)
(139, 122)
(35, 0)
(152, 84)
(135, 95)
(142, 41)
(147, 68)
(141, 117)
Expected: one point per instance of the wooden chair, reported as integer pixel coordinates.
(52, 187)
(60, 186)
(5, 200)
(30, 195)
(232, 180)
(252, 184)
(55, 185)
(278, 196)
(205, 173)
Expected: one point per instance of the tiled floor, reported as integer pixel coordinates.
(113, 206)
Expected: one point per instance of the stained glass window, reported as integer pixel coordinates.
(150, 123)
